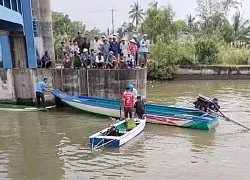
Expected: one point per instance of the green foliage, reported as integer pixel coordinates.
(240, 27)
(185, 54)
(206, 50)
(64, 29)
(229, 56)
(165, 58)
(160, 21)
(227, 33)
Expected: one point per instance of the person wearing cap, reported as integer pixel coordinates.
(144, 49)
(77, 60)
(124, 47)
(41, 87)
(97, 44)
(105, 49)
(111, 60)
(114, 47)
(138, 47)
(86, 59)
(79, 39)
(133, 90)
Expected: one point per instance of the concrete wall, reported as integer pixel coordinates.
(18, 85)
(212, 72)
(112, 83)
(42, 12)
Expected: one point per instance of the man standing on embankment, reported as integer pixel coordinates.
(41, 87)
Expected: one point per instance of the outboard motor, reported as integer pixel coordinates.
(205, 104)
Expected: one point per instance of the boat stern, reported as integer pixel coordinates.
(203, 125)
(101, 142)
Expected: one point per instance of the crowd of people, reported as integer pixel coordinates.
(110, 52)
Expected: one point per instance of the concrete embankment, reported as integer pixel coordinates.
(212, 72)
(19, 85)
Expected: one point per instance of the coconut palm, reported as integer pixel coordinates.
(136, 14)
(190, 21)
(241, 27)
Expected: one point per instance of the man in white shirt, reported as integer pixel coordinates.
(133, 90)
(97, 44)
(144, 49)
(124, 47)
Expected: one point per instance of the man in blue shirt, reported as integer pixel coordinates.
(41, 87)
(138, 47)
(114, 47)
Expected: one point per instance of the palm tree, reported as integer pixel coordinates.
(241, 27)
(190, 21)
(136, 14)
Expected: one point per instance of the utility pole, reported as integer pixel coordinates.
(113, 25)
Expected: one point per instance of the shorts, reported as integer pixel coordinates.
(128, 112)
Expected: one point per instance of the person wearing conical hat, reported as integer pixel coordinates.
(133, 47)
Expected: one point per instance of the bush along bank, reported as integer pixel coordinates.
(167, 58)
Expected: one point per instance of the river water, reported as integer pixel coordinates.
(54, 145)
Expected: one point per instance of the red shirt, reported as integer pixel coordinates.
(128, 100)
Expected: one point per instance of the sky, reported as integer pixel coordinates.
(96, 13)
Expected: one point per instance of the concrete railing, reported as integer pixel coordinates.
(213, 72)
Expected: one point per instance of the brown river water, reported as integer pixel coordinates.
(54, 145)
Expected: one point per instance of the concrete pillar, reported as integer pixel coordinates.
(42, 12)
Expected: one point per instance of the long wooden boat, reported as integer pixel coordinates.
(121, 136)
(22, 108)
(159, 114)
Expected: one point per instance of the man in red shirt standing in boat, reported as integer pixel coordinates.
(128, 103)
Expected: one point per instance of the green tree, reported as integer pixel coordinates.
(213, 13)
(206, 50)
(64, 29)
(241, 27)
(160, 21)
(227, 32)
(136, 14)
